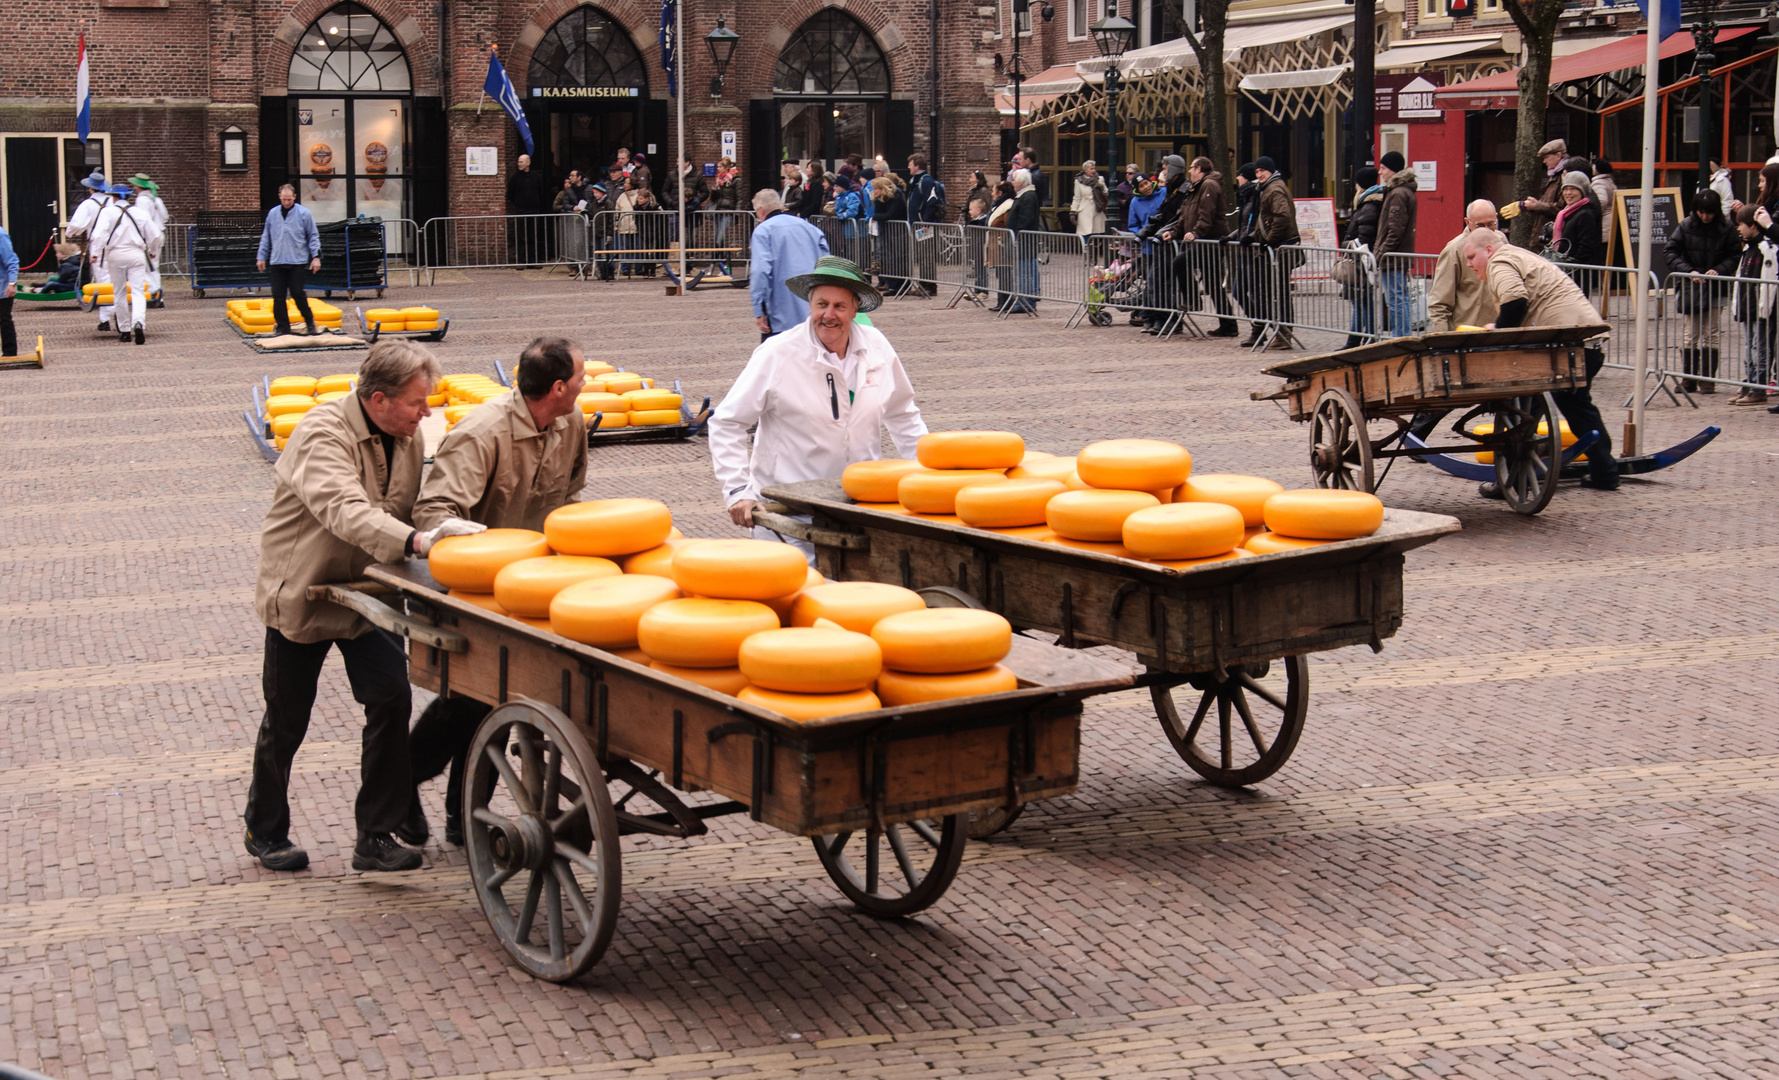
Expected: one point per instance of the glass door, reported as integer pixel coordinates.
(351, 156)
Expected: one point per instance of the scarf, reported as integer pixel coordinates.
(1563, 216)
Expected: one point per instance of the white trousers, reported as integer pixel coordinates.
(129, 266)
(154, 279)
(101, 278)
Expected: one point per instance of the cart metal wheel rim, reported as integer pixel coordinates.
(983, 824)
(897, 870)
(1340, 448)
(1241, 729)
(542, 840)
(1528, 465)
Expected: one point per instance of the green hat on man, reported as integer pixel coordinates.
(141, 180)
(833, 270)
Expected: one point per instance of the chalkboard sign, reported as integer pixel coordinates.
(1630, 224)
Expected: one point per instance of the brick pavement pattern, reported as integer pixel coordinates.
(1533, 838)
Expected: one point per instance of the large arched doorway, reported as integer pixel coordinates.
(350, 98)
(832, 91)
(586, 92)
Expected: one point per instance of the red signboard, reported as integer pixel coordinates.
(1408, 99)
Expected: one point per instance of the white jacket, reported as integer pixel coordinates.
(80, 225)
(152, 203)
(126, 228)
(810, 424)
(1766, 294)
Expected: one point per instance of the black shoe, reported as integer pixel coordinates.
(104, 325)
(379, 851)
(311, 330)
(1225, 329)
(1600, 485)
(414, 831)
(276, 854)
(453, 830)
(123, 336)
(139, 335)
(280, 331)
(1490, 490)
(1252, 339)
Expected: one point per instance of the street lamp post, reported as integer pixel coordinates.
(1112, 35)
(722, 42)
(1022, 17)
(1704, 38)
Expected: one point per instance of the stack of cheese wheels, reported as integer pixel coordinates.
(613, 409)
(1151, 465)
(653, 408)
(1487, 457)
(953, 460)
(939, 653)
(419, 318)
(808, 672)
(99, 291)
(1300, 519)
(289, 390)
(604, 612)
(254, 316)
(385, 320)
(461, 393)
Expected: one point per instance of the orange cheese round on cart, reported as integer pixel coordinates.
(597, 402)
(1270, 543)
(940, 641)
(485, 601)
(810, 706)
(700, 631)
(875, 481)
(1049, 468)
(1034, 455)
(656, 560)
(526, 587)
(1096, 515)
(604, 612)
(783, 604)
(471, 562)
(935, 492)
(855, 605)
(970, 450)
(740, 569)
(907, 688)
(1134, 464)
(1008, 505)
(607, 527)
(1183, 531)
(293, 384)
(1187, 564)
(724, 680)
(279, 404)
(1246, 493)
(1324, 514)
(809, 660)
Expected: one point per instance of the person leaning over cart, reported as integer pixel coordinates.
(505, 467)
(1532, 291)
(347, 481)
(821, 394)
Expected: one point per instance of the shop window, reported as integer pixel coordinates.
(587, 48)
(349, 49)
(350, 152)
(832, 53)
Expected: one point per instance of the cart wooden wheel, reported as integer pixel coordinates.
(1340, 449)
(1259, 715)
(1527, 468)
(922, 860)
(542, 834)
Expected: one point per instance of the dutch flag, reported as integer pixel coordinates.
(83, 96)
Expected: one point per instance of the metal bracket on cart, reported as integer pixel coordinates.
(358, 595)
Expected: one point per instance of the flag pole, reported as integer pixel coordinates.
(484, 95)
(1646, 227)
(679, 97)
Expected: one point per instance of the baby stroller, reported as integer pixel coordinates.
(1120, 284)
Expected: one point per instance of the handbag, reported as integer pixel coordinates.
(1345, 271)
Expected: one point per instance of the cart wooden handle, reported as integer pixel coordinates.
(357, 595)
(776, 516)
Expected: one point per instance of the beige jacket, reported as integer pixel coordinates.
(339, 507)
(1455, 296)
(1552, 297)
(496, 468)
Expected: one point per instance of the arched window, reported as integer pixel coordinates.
(349, 49)
(831, 54)
(586, 47)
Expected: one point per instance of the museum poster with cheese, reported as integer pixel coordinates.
(322, 157)
(377, 146)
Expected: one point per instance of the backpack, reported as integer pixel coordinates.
(934, 209)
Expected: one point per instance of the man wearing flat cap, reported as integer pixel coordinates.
(1542, 208)
(822, 393)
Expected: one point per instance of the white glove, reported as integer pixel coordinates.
(423, 541)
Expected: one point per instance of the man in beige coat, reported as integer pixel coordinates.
(1455, 296)
(505, 466)
(347, 481)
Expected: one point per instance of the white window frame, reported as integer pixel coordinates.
(1489, 7)
(1085, 7)
(63, 209)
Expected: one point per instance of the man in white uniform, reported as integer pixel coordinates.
(822, 393)
(148, 197)
(80, 231)
(126, 243)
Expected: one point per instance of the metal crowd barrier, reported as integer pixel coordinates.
(495, 240)
(1049, 266)
(1712, 335)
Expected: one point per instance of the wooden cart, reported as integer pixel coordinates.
(584, 747)
(1235, 633)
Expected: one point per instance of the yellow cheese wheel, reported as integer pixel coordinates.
(810, 706)
(782, 605)
(1035, 455)
(598, 367)
(1050, 468)
(336, 382)
(935, 491)
(608, 527)
(654, 417)
(1116, 550)
(875, 481)
(620, 383)
(285, 423)
(411, 324)
(1270, 543)
(701, 631)
(448, 383)
(1074, 483)
(939, 641)
(1134, 464)
(1096, 515)
(1040, 533)
(740, 569)
(603, 612)
(293, 384)
(1246, 493)
(471, 562)
(233, 306)
(611, 420)
(855, 605)
(1005, 506)
(724, 680)
(675, 534)
(1324, 514)
(807, 660)
(1487, 457)
(280, 404)
(652, 399)
(887, 508)
(656, 560)
(331, 395)
(970, 450)
(526, 587)
(1183, 531)
(907, 688)
(454, 413)
(485, 601)
(420, 313)
(1187, 564)
(384, 315)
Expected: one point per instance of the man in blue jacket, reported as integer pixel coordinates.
(9, 286)
(783, 246)
(289, 251)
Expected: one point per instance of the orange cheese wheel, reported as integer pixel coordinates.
(285, 423)
(908, 688)
(610, 420)
(604, 612)
(653, 399)
(279, 404)
(1134, 464)
(1183, 531)
(886, 508)
(654, 417)
(335, 382)
(740, 569)
(656, 560)
(607, 527)
(1096, 515)
(620, 383)
(810, 706)
(1035, 455)
(598, 367)
(602, 403)
(935, 491)
(875, 481)
(1116, 550)
(1271, 543)
(970, 450)
(782, 605)
(293, 384)
(700, 631)
(855, 605)
(724, 680)
(939, 641)
(1008, 505)
(1187, 564)
(526, 587)
(471, 562)
(1246, 493)
(1050, 468)
(808, 660)
(485, 601)
(1324, 514)
(1040, 533)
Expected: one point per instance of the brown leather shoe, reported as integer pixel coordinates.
(1750, 397)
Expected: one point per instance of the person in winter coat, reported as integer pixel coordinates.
(632, 236)
(725, 199)
(1576, 234)
(850, 205)
(1756, 306)
(1702, 244)
(813, 193)
(1766, 199)
(980, 188)
(1176, 188)
(1203, 218)
(1244, 268)
(1541, 209)
(1606, 194)
(1368, 207)
(1090, 201)
(783, 245)
(1396, 239)
(1027, 216)
(888, 205)
(1277, 229)
(1455, 295)
(1725, 188)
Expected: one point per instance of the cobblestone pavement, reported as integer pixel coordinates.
(1533, 837)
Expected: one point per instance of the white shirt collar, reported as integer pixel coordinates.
(850, 363)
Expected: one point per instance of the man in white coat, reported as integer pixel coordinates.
(822, 394)
(127, 242)
(148, 197)
(80, 231)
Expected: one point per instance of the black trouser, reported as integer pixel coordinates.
(9, 334)
(377, 667)
(288, 280)
(441, 737)
(1196, 264)
(1577, 407)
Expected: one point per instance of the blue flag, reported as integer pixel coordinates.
(500, 88)
(1669, 14)
(670, 45)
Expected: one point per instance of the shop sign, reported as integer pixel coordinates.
(1409, 98)
(585, 91)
